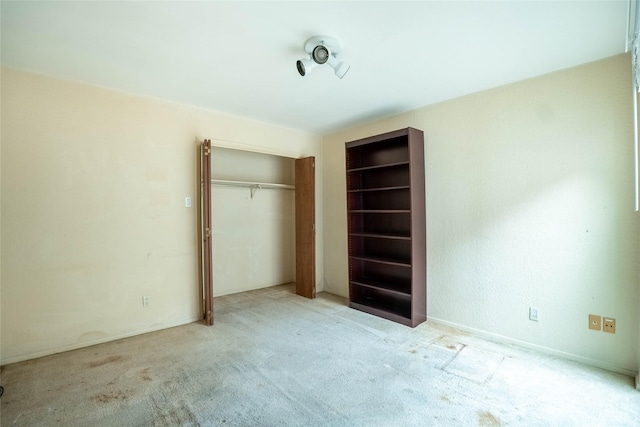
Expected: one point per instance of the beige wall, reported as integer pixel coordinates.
(529, 203)
(0, 228)
(93, 215)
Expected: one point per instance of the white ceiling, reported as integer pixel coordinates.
(239, 57)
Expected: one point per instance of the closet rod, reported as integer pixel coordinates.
(252, 184)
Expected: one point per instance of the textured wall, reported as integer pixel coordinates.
(0, 229)
(93, 216)
(529, 203)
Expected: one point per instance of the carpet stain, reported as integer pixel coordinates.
(445, 398)
(145, 375)
(486, 418)
(111, 396)
(169, 411)
(178, 414)
(110, 359)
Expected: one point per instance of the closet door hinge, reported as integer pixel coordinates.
(207, 233)
(206, 151)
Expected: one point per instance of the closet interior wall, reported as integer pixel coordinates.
(253, 229)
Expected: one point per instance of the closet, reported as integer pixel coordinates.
(253, 220)
(258, 226)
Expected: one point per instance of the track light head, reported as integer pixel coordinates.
(320, 54)
(322, 50)
(305, 65)
(339, 67)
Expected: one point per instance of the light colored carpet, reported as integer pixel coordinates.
(274, 358)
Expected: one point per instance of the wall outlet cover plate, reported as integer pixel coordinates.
(609, 325)
(595, 322)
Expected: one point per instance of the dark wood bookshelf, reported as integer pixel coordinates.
(381, 260)
(382, 236)
(389, 165)
(401, 187)
(400, 289)
(387, 226)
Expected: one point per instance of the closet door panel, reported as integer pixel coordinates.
(305, 228)
(205, 232)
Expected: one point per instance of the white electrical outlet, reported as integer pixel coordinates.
(146, 300)
(187, 202)
(534, 313)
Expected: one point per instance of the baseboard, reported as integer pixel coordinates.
(506, 340)
(638, 381)
(75, 346)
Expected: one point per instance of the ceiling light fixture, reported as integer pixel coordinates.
(322, 50)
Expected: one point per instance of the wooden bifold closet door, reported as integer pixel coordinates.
(305, 228)
(207, 262)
